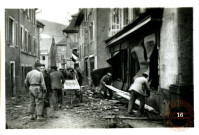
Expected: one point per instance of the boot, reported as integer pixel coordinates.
(32, 117)
(40, 118)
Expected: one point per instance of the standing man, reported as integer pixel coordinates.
(139, 89)
(63, 71)
(79, 74)
(57, 81)
(47, 81)
(106, 80)
(35, 82)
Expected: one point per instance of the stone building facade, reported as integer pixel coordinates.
(21, 47)
(93, 26)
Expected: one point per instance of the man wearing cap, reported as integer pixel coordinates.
(139, 89)
(106, 80)
(63, 71)
(35, 82)
(57, 81)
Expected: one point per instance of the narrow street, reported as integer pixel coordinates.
(117, 60)
(92, 113)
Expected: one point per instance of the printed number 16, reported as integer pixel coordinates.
(180, 114)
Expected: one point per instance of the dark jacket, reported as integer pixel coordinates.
(106, 80)
(47, 81)
(57, 80)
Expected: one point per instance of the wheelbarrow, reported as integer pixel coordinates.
(71, 91)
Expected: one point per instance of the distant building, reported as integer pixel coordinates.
(72, 40)
(44, 58)
(21, 48)
(64, 53)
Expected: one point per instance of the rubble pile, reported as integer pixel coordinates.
(96, 107)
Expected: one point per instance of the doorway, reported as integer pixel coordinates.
(12, 77)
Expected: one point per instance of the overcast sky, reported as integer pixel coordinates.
(59, 15)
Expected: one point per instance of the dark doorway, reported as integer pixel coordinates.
(12, 76)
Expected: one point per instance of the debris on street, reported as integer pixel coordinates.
(94, 112)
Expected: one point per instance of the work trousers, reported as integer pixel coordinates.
(134, 96)
(57, 97)
(105, 90)
(36, 100)
(46, 104)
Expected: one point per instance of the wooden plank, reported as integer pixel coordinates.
(132, 118)
(109, 117)
(143, 124)
(126, 95)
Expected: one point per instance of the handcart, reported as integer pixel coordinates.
(71, 91)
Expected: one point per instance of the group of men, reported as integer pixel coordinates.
(42, 85)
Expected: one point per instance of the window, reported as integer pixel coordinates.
(30, 14)
(6, 26)
(86, 15)
(26, 41)
(85, 49)
(34, 46)
(12, 38)
(27, 13)
(29, 43)
(33, 16)
(115, 21)
(85, 34)
(43, 58)
(22, 36)
(91, 31)
(119, 62)
(125, 16)
(62, 57)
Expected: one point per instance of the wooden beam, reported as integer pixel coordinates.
(126, 95)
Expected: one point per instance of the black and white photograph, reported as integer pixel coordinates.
(98, 67)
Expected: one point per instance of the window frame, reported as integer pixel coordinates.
(26, 40)
(22, 36)
(34, 45)
(12, 32)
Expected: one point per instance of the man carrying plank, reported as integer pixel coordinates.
(139, 89)
(106, 80)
